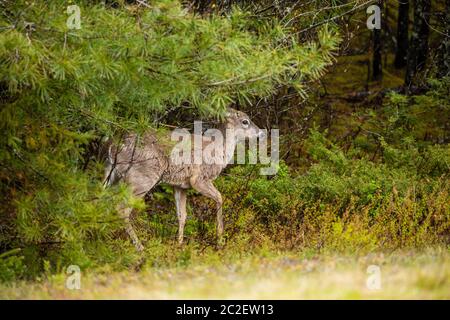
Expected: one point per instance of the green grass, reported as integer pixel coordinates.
(414, 274)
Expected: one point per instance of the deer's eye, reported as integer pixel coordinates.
(245, 122)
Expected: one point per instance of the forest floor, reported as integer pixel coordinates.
(402, 274)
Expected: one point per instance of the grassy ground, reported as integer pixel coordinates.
(404, 275)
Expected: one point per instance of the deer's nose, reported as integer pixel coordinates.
(261, 134)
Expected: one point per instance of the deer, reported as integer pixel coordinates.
(142, 162)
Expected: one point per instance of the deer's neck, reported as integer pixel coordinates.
(229, 144)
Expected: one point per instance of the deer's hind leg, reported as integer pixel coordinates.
(125, 213)
(180, 201)
(140, 185)
(206, 188)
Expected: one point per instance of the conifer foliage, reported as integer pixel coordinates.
(62, 88)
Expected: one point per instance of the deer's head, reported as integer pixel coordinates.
(241, 126)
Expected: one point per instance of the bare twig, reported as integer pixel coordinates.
(313, 26)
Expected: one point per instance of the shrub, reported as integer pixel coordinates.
(11, 265)
(342, 202)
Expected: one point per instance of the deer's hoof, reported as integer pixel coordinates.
(139, 264)
(220, 243)
(180, 240)
(139, 247)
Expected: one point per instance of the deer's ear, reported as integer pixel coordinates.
(230, 112)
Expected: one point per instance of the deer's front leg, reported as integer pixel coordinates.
(180, 201)
(206, 188)
(125, 214)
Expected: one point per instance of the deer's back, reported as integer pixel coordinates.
(140, 159)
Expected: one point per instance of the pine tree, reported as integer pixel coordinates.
(63, 88)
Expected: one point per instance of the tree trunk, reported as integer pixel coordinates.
(377, 71)
(419, 40)
(444, 48)
(402, 34)
(377, 74)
